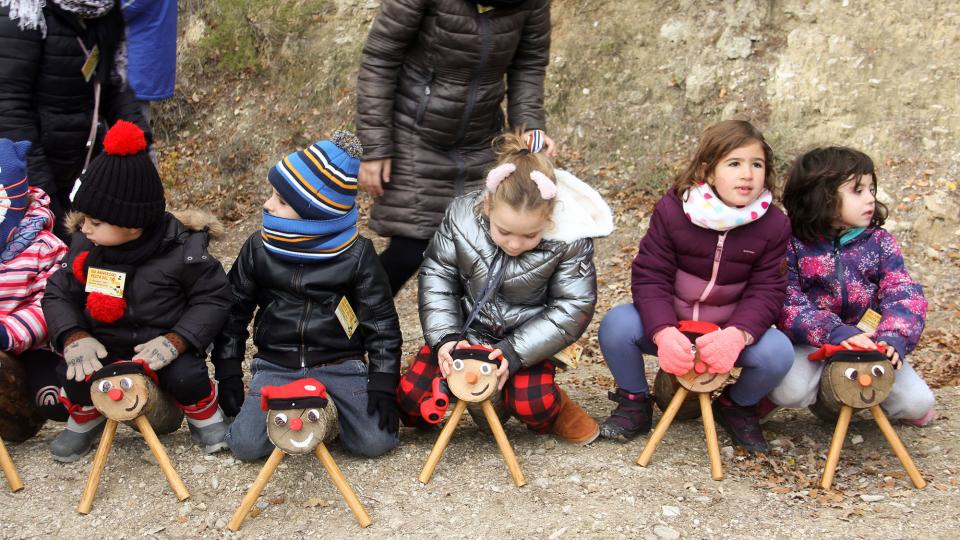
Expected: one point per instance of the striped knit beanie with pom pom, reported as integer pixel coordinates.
(122, 186)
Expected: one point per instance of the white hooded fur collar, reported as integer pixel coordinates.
(580, 211)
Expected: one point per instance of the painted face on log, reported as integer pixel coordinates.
(121, 397)
(299, 431)
(471, 379)
(860, 383)
(699, 379)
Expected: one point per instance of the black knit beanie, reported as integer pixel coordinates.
(121, 186)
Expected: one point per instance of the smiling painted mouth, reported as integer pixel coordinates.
(134, 406)
(481, 391)
(873, 396)
(304, 443)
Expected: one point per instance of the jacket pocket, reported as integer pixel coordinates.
(424, 98)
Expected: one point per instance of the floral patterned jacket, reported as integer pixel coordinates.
(830, 286)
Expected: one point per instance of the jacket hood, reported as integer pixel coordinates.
(193, 220)
(40, 208)
(580, 211)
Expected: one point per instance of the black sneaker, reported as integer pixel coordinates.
(632, 416)
(741, 423)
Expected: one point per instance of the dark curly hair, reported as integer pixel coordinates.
(810, 194)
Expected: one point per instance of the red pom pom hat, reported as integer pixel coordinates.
(121, 186)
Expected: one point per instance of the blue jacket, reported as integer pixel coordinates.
(151, 47)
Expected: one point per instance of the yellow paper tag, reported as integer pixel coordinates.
(870, 321)
(348, 319)
(90, 65)
(570, 356)
(483, 9)
(105, 282)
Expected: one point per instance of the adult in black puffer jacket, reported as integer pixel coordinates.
(44, 97)
(432, 81)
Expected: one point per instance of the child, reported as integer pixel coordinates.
(29, 253)
(713, 252)
(137, 284)
(511, 267)
(844, 270)
(322, 304)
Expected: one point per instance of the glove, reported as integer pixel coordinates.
(384, 404)
(83, 358)
(230, 391)
(720, 350)
(674, 351)
(157, 353)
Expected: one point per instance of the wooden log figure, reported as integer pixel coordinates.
(473, 379)
(19, 417)
(300, 417)
(852, 380)
(700, 382)
(127, 391)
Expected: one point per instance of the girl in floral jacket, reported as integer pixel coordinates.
(842, 264)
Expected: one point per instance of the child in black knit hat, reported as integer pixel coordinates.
(323, 306)
(138, 283)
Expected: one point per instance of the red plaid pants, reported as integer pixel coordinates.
(531, 394)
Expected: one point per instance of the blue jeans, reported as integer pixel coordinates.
(346, 384)
(623, 344)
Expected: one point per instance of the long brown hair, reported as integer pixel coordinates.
(716, 142)
(518, 190)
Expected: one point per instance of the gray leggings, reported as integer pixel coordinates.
(910, 398)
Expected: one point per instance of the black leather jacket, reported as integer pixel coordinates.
(296, 323)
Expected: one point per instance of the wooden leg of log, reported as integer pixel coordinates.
(442, 441)
(9, 471)
(501, 437)
(710, 431)
(99, 462)
(176, 484)
(339, 480)
(901, 451)
(833, 456)
(255, 489)
(662, 426)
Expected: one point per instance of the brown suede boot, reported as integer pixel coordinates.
(573, 424)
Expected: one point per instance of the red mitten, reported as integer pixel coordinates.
(674, 351)
(719, 350)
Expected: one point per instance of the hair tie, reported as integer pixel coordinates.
(498, 174)
(548, 189)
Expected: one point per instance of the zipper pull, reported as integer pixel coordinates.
(426, 90)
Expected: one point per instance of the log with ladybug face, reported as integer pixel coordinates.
(473, 377)
(124, 390)
(299, 415)
(860, 379)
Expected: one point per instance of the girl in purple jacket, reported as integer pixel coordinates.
(847, 284)
(714, 252)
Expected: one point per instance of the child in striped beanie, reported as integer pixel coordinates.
(323, 306)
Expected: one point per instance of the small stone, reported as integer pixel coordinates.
(872, 498)
(215, 482)
(670, 511)
(727, 452)
(550, 444)
(856, 439)
(575, 479)
(557, 533)
(147, 457)
(566, 509)
(198, 469)
(665, 533)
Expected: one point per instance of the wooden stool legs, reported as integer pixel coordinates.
(9, 471)
(498, 434)
(339, 480)
(840, 433)
(709, 428)
(100, 461)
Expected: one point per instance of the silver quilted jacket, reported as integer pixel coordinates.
(548, 294)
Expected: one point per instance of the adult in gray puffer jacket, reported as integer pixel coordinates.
(429, 96)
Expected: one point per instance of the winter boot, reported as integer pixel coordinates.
(206, 422)
(741, 422)
(573, 424)
(766, 408)
(922, 421)
(77, 439)
(632, 417)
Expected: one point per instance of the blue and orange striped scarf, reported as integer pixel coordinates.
(304, 240)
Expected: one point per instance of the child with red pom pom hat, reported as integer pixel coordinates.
(137, 283)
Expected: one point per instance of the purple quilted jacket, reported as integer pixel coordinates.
(830, 287)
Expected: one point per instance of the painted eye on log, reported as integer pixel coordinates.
(851, 374)
(280, 419)
(105, 386)
(486, 369)
(878, 371)
(126, 383)
(458, 365)
(313, 415)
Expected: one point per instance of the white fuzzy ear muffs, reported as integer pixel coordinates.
(580, 211)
